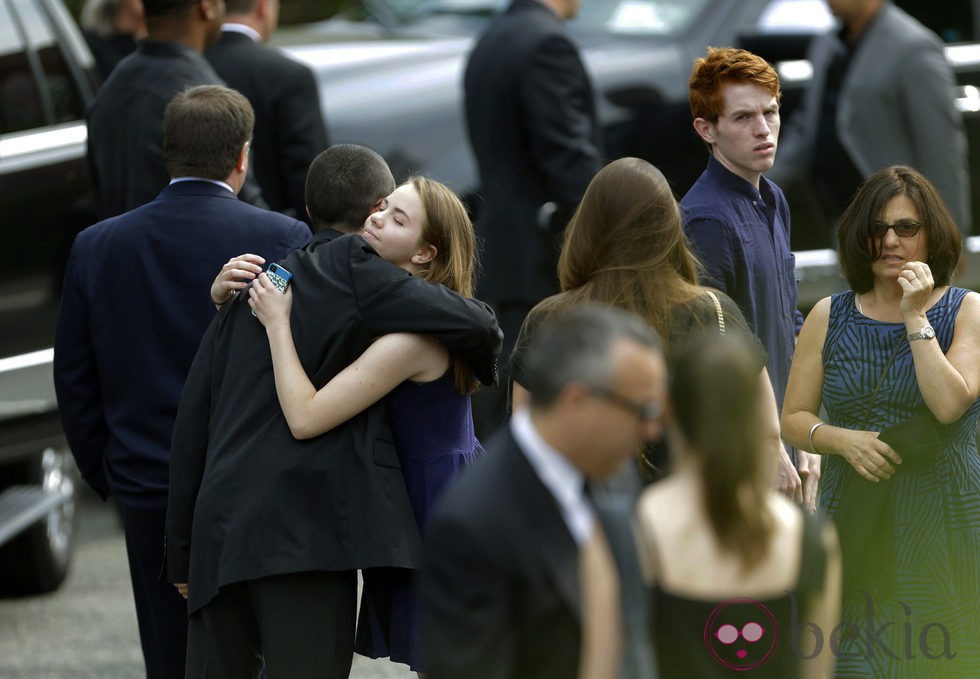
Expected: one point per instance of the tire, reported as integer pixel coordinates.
(37, 560)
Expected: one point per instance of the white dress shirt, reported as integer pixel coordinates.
(564, 481)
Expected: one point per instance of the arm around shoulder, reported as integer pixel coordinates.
(388, 362)
(390, 300)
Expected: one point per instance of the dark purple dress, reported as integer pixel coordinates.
(433, 428)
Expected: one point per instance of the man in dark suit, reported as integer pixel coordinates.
(500, 587)
(268, 531)
(125, 124)
(289, 130)
(133, 311)
(531, 121)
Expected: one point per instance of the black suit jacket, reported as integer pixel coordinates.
(289, 128)
(125, 124)
(531, 120)
(500, 580)
(134, 307)
(247, 500)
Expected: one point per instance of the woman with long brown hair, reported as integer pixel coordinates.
(624, 246)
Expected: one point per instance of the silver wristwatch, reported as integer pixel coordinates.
(926, 333)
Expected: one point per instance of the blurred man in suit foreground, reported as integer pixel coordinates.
(502, 591)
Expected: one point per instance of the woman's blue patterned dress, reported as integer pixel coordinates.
(919, 614)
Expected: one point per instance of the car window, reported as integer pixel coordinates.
(59, 86)
(20, 102)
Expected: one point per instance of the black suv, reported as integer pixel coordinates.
(46, 85)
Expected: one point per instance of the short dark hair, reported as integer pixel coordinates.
(857, 247)
(574, 345)
(155, 8)
(204, 130)
(239, 6)
(343, 184)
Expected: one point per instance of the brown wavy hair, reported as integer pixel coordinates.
(449, 229)
(855, 245)
(714, 394)
(624, 246)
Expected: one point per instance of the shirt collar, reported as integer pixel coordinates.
(220, 183)
(562, 479)
(730, 180)
(243, 29)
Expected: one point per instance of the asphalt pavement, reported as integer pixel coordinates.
(87, 629)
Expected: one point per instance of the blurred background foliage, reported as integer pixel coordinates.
(290, 11)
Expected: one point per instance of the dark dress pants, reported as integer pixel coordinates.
(160, 610)
(300, 625)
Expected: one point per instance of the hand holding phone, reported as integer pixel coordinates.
(279, 276)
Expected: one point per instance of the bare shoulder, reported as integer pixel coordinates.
(970, 307)
(665, 507)
(820, 311)
(406, 342)
(786, 515)
(427, 357)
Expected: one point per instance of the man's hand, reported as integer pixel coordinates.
(234, 276)
(787, 479)
(809, 467)
(182, 588)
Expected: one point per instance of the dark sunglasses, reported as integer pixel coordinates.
(904, 228)
(648, 412)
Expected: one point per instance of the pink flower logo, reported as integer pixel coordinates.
(741, 634)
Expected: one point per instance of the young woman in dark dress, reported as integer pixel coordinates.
(423, 228)
(741, 578)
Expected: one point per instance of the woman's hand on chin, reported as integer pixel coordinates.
(917, 285)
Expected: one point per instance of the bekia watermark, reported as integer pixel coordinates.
(743, 634)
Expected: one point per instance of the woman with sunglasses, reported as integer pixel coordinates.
(901, 347)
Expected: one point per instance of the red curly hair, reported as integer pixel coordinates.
(721, 66)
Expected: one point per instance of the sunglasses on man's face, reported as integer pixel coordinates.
(904, 228)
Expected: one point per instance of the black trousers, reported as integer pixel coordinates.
(160, 610)
(297, 625)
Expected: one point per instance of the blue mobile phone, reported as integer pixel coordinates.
(279, 276)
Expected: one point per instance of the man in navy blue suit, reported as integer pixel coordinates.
(134, 308)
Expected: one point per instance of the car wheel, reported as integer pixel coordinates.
(37, 560)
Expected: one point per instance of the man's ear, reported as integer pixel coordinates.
(242, 164)
(705, 130)
(207, 9)
(425, 254)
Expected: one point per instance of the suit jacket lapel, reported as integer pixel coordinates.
(550, 535)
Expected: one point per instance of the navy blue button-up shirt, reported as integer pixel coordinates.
(741, 235)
